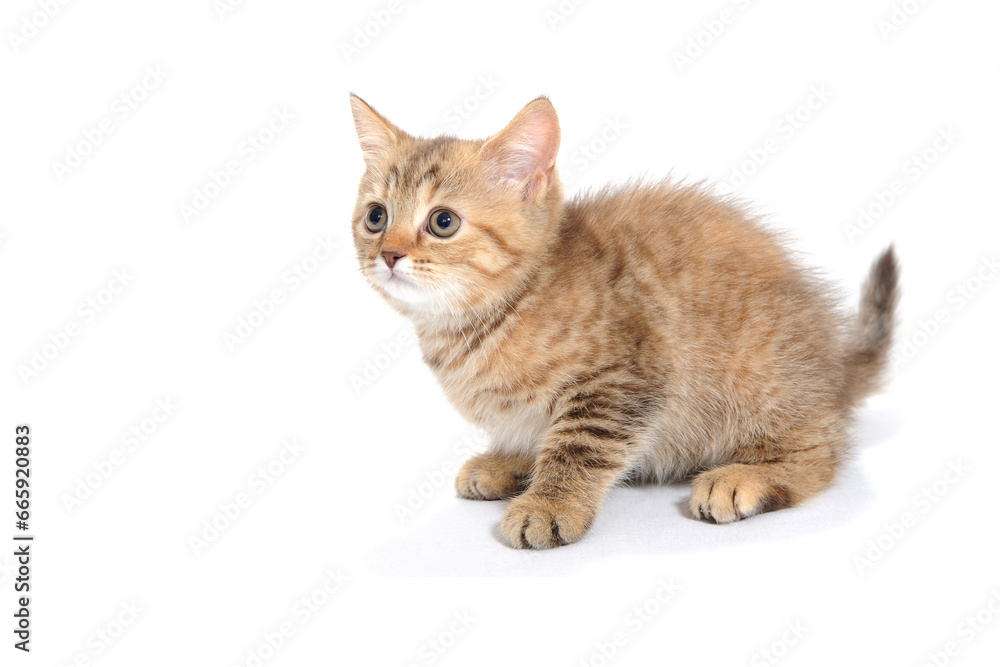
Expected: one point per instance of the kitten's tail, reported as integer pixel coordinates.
(871, 338)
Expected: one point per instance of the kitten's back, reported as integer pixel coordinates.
(746, 341)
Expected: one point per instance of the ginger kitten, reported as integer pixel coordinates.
(650, 331)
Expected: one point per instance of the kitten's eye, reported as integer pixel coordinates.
(376, 219)
(444, 223)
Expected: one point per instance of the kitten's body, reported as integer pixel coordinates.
(648, 331)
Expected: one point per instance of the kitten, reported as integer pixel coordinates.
(650, 331)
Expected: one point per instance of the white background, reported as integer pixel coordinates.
(858, 585)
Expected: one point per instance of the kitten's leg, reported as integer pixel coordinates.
(770, 475)
(589, 447)
(494, 475)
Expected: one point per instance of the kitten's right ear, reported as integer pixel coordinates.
(377, 135)
(523, 154)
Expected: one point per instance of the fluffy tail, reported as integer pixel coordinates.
(871, 337)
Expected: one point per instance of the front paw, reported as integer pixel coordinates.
(488, 477)
(534, 522)
(734, 492)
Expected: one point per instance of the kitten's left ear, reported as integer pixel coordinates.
(377, 135)
(523, 154)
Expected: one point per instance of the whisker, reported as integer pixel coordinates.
(505, 301)
(468, 305)
(462, 300)
(461, 329)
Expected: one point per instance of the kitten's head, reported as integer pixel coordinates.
(450, 224)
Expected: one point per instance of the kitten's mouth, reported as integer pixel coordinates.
(403, 286)
(384, 275)
(400, 278)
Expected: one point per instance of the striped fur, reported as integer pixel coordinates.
(645, 332)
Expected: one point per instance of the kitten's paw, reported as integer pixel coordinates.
(533, 522)
(488, 477)
(733, 492)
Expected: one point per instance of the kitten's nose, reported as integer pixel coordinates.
(390, 257)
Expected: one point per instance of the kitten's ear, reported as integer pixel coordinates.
(377, 135)
(522, 155)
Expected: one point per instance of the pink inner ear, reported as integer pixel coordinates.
(373, 144)
(523, 154)
(375, 135)
(375, 140)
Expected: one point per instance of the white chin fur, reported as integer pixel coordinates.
(402, 286)
(405, 291)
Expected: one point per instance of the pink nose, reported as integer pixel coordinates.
(390, 257)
